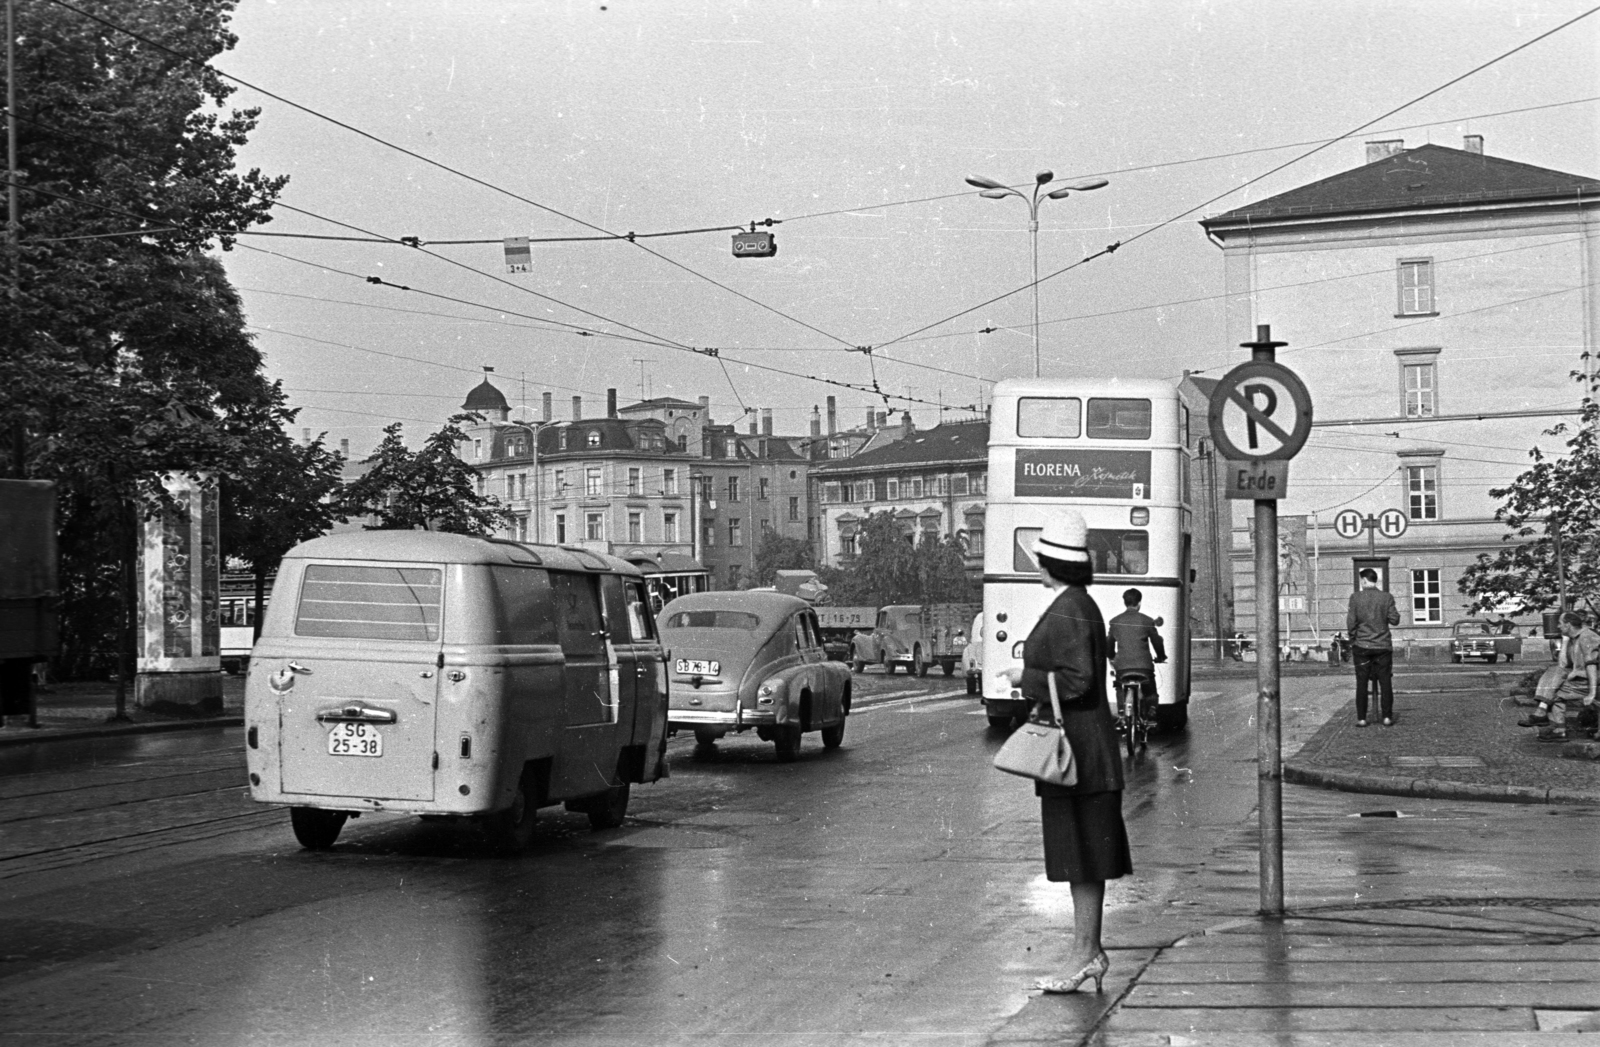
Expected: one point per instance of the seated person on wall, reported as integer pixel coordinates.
(1580, 681)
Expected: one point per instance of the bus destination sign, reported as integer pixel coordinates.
(1086, 473)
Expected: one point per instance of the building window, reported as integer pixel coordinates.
(1419, 381)
(958, 485)
(633, 480)
(708, 533)
(561, 482)
(1422, 492)
(477, 450)
(561, 439)
(511, 486)
(561, 528)
(980, 483)
(766, 525)
(594, 526)
(1426, 600)
(669, 481)
(734, 571)
(832, 493)
(522, 485)
(522, 528)
(916, 487)
(864, 490)
(794, 507)
(735, 531)
(893, 493)
(733, 488)
(1416, 287)
(975, 540)
(635, 527)
(591, 483)
(483, 482)
(669, 527)
(763, 492)
(594, 438)
(847, 545)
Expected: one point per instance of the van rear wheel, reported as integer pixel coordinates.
(316, 829)
(609, 808)
(511, 830)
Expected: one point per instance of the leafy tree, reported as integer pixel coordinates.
(777, 553)
(431, 489)
(1556, 501)
(125, 356)
(890, 568)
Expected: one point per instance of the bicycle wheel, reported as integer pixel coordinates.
(1130, 718)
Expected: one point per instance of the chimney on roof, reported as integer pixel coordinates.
(547, 407)
(305, 436)
(883, 420)
(907, 424)
(1384, 148)
(577, 408)
(766, 421)
(816, 421)
(754, 424)
(872, 418)
(344, 449)
(705, 407)
(611, 403)
(833, 417)
(1472, 143)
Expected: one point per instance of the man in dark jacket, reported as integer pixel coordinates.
(1130, 638)
(1371, 612)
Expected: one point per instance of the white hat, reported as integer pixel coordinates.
(1065, 537)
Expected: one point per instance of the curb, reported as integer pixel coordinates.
(24, 736)
(1358, 782)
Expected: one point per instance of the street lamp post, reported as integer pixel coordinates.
(993, 190)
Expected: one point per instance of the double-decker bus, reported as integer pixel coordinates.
(1113, 450)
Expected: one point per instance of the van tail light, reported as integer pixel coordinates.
(251, 739)
(466, 747)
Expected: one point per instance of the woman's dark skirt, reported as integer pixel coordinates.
(1084, 838)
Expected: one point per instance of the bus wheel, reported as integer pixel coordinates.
(609, 808)
(1172, 718)
(316, 829)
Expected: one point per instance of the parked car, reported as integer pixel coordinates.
(752, 660)
(1471, 638)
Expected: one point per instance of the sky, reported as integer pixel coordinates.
(852, 125)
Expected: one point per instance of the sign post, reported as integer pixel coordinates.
(1260, 416)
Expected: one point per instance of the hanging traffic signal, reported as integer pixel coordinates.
(754, 245)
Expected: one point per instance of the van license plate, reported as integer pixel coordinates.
(694, 667)
(355, 739)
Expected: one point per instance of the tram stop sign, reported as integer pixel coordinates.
(1260, 416)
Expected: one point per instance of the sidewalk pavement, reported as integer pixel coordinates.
(87, 710)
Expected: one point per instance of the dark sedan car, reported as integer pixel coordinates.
(752, 660)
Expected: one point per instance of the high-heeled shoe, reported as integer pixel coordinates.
(1095, 968)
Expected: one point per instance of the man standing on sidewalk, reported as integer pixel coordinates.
(1578, 658)
(1371, 612)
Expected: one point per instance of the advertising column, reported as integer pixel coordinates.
(180, 575)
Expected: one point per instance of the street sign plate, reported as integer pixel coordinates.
(1261, 481)
(1392, 523)
(519, 256)
(1260, 411)
(1348, 524)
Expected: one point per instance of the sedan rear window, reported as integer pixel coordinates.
(713, 620)
(370, 603)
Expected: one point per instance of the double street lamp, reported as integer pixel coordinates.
(994, 190)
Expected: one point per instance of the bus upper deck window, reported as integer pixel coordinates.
(1118, 419)
(1058, 416)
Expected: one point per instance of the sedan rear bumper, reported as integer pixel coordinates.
(713, 718)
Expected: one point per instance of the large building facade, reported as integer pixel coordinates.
(1435, 302)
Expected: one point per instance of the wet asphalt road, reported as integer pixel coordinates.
(889, 892)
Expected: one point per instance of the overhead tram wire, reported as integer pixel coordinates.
(202, 63)
(1268, 173)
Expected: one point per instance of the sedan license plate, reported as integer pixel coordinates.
(695, 667)
(355, 739)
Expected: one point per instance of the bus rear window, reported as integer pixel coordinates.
(1058, 416)
(1110, 552)
(369, 603)
(1119, 419)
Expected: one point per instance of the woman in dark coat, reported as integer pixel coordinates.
(1085, 841)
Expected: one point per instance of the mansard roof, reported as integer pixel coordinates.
(953, 442)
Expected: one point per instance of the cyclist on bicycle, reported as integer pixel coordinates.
(1130, 639)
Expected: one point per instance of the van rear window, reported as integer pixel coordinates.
(713, 620)
(370, 603)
